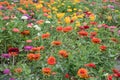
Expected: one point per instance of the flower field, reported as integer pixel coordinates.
(59, 39)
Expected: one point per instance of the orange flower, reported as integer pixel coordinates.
(34, 49)
(30, 56)
(36, 56)
(45, 36)
(67, 29)
(103, 48)
(57, 43)
(93, 33)
(63, 53)
(40, 21)
(45, 10)
(83, 33)
(46, 71)
(18, 70)
(82, 73)
(96, 40)
(25, 32)
(59, 28)
(51, 60)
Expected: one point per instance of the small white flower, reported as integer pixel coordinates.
(24, 17)
(38, 34)
(106, 74)
(47, 21)
(38, 28)
(35, 26)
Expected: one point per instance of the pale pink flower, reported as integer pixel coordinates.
(29, 41)
(15, 30)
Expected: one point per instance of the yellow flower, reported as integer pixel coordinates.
(74, 9)
(92, 17)
(77, 24)
(67, 20)
(109, 18)
(95, 29)
(54, 9)
(63, 4)
(81, 16)
(116, 10)
(69, 10)
(38, 6)
(60, 15)
(76, 1)
(49, 16)
(74, 17)
(80, 10)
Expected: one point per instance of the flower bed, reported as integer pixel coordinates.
(59, 40)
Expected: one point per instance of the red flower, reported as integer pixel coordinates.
(51, 60)
(63, 53)
(57, 43)
(109, 77)
(46, 71)
(67, 29)
(67, 75)
(86, 27)
(83, 33)
(96, 40)
(103, 48)
(13, 51)
(45, 36)
(59, 28)
(92, 65)
(116, 73)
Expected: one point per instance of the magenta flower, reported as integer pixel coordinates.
(12, 79)
(5, 55)
(6, 71)
(28, 48)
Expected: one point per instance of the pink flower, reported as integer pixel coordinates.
(15, 30)
(29, 41)
(6, 17)
(45, 14)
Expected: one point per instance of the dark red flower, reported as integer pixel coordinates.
(86, 27)
(13, 51)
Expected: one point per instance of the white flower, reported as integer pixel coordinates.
(106, 74)
(38, 34)
(47, 21)
(37, 27)
(24, 17)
